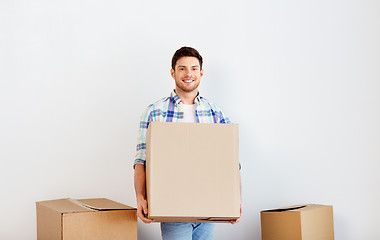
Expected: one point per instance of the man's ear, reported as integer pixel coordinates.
(172, 72)
(201, 72)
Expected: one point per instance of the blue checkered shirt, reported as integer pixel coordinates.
(169, 109)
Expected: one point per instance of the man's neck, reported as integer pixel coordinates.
(187, 97)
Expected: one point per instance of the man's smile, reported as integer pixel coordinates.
(188, 80)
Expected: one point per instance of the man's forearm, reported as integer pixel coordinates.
(140, 186)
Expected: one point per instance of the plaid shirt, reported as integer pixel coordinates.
(169, 109)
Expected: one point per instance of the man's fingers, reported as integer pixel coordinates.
(140, 213)
(235, 221)
(143, 218)
(145, 209)
(146, 220)
(241, 214)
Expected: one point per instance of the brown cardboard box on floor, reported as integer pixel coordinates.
(192, 172)
(302, 222)
(85, 219)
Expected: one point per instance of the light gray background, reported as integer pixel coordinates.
(302, 78)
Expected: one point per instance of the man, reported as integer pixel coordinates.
(183, 105)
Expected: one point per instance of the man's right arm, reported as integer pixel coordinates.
(139, 166)
(140, 188)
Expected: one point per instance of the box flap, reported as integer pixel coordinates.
(312, 207)
(295, 208)
(102, 204)
(65, 205)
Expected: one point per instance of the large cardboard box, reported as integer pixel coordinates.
(192, 172)
(85, 219)
(302, 222)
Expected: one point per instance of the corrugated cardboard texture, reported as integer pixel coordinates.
(103, 204)
(85, 219)
(63, 205)
(276, 226)
(102, 225)
(193, 171)
(48, 223)
(302, 222)
(317, 223)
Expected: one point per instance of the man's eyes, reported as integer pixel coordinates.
(194, 69)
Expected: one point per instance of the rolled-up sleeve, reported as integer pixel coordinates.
(221, 116)
(141, 139)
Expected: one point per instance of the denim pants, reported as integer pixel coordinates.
(187, 231)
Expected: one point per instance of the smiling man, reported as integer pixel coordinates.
(183, 105)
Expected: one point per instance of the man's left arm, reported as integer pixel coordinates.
(224, 119)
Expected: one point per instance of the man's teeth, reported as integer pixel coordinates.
(188, 81)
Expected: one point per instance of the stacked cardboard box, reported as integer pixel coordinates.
(85, 219)
(302, 222)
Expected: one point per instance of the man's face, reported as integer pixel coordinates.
(187, 74)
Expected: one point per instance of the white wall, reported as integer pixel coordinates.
(302, 78)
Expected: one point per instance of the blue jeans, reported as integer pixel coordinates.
(187, 231)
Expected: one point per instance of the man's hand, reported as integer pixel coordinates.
(142, 204)
(142, 210)
(241, 214)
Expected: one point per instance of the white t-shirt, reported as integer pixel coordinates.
(189, 113)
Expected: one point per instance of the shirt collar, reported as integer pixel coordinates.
(177, 100)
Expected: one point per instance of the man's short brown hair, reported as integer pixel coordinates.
(186, 52)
